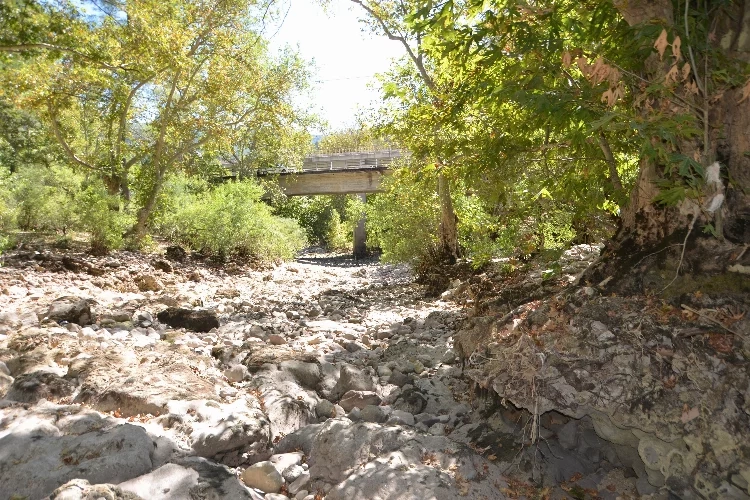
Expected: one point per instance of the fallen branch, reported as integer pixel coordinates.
(709, 318)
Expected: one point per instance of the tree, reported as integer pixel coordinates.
(150, 87)
(392, 20)
(553, 95)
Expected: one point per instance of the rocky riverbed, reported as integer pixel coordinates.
(164, 377)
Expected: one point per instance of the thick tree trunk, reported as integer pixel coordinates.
(138, 231)
(448, 230)
(672, 238)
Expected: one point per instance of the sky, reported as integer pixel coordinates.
(345, 57)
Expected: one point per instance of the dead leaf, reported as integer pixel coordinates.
(583, 65)
(720, 342)
(685, 71)
(689, 414)
(661, 43)
(745, 92)
(676, 44)
(567, 59)
(608, 97)
(692, 88)
(672, 75)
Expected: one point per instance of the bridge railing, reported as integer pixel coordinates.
(341, 161)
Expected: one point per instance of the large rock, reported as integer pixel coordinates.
(5, 382)
(359, 399)
(264, 477)
(218, 429)
(197, 320)
(80, 489)
(192, 478)
(140, 384)
(48, 445)
(14, 320)
(287, 405)
(72, 310)
(31, 387)
(352, 379)
(367, 460)
(307, 374)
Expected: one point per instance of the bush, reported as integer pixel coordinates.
(231, 219)
(337, 236)
(403, 220)
(99, 215)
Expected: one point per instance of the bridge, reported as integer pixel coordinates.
(337, 173)
(357, 173)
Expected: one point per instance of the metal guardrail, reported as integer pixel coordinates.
(370, 160)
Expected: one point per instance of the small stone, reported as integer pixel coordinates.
(438, 430)
(384, 371)
(291, 473)
(148, 283)
(264, 477)
(162, 265)
(399, 379)
(236, 373)
(325, 409)
(275, 496)
(399, 417)
(300, 483)
(358, 399)
(605, 336)
(372, 413)
(352, 347)
(449, 357)
(276, 339)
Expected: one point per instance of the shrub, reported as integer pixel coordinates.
(337, 236)
(231, 219)
(403, 220)
(99, 215)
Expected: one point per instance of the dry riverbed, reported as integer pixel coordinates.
(162, 377)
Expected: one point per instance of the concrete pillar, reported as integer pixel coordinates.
(360, 234)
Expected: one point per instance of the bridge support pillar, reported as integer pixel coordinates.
(360, 233)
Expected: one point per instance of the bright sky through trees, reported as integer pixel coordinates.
(346, 59)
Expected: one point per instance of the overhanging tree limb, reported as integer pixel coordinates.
(61, 140)
(416, 58)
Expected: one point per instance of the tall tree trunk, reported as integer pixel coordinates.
(675, 232)
(138, 231)
(448, 242)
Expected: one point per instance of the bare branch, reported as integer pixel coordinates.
(417, 59)
(60, 139)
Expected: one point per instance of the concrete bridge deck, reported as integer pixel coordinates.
(339, 173)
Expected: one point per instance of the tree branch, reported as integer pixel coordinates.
(416, 59)
(61, 140)
(609, 157)
(48, 46)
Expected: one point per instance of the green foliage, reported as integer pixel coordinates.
(327, 220)
(360, 138)
(402, 220)
(100, 216)
(183, 85)
(337, 235)
(231, 219)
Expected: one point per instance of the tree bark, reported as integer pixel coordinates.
(674, 233)
(448, 241)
